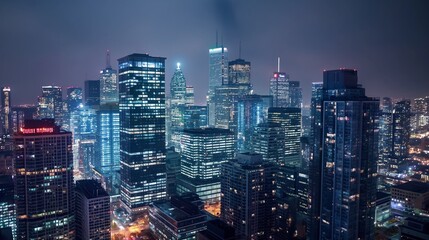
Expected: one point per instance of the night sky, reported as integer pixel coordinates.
(64, 42)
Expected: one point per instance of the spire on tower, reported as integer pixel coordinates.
(108, 60)
(278, 64)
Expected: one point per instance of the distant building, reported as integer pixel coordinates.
(248, 196)
(92, 92)
(195, 117)
(401, 136)
(109, 92)
(180, 218)
(204, 150)
(142, 130)
(92, 211)
(5, 112)
(50, 104)
(172, 162)
(269, 141)
(44, 181)
(20, 114)
(286, 93)
(415, 229)
(7, 204)
(218, 74)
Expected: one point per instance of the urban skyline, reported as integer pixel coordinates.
(313, 37)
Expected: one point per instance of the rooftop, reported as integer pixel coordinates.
(414, 186)
(207, 131)
(91, 189)
(179, 208)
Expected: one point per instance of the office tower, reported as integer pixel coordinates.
(409, 198)
(401, 136)
(190, 96)
(7, 204)
(50, 104)
(179, 218)
(108, 83)
(5, 112)
(6, 162)
(92, 211)
(172, 162)
(204, 150)
(346, 134)
(248, 196)
(142, 130)
(239, 72)
(218, 74)
(251, 111)
(20, 114)
(286, 93)
(72, 103)
(385, 135)
(92, 92)
(108, 147)
(195, 117)
(290, 119)
(83, 125)
(44, 181)
(415, 228)
(269, 140)
(177, 106)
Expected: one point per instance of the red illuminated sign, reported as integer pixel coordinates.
(36, 130)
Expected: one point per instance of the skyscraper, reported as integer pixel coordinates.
(248, 196)
(269, 140)
(290, 119)
(44, 181)
(73, 101)
(142, 130)
(92, 211)
(218, 74)
(251, 111)
(108, 147)
(177, 107)
(401, 117)
(385, 142)
(50, 104)
(239, 72)
(20, 114)
(347, 140)
(92, 92)
(5, 112)
(108, 83)
(204, 150)
(7, 204)
(286, 93)
(195, 117)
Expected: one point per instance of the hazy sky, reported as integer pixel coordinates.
(64, 42)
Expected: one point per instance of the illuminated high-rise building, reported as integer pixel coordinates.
(92, 92)
(7, 205)
(72, 103)
(204, 150)
(251, 110)
(50, 104)
(108, 147)
(385, 134)
(290, 119)
(401, 131)
(92, 211)
(142, 130)
(177, 107)
(218, 74)
(239, 72)
(248, 196)
(286, 93)
(20, 114)
(195, 117)
(44, 181)
(269, 140)
(5, 112)
(346, 152)
(108, 84)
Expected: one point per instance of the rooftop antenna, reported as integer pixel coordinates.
(278, 64)
(108, 59)
(217, 43)
(239, 50)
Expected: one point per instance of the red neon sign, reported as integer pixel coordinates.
(36, 130)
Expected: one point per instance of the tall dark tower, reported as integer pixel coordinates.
(345, 159)
(142, 130)
(44, 181)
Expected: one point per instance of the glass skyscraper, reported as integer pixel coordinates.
(50, 104)
(142, 130)
(5, 112)
(218, 74)
(204, 150)
(44, 181)
(286, 93)
(92, 92)
(347, 139)
(108, 84)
